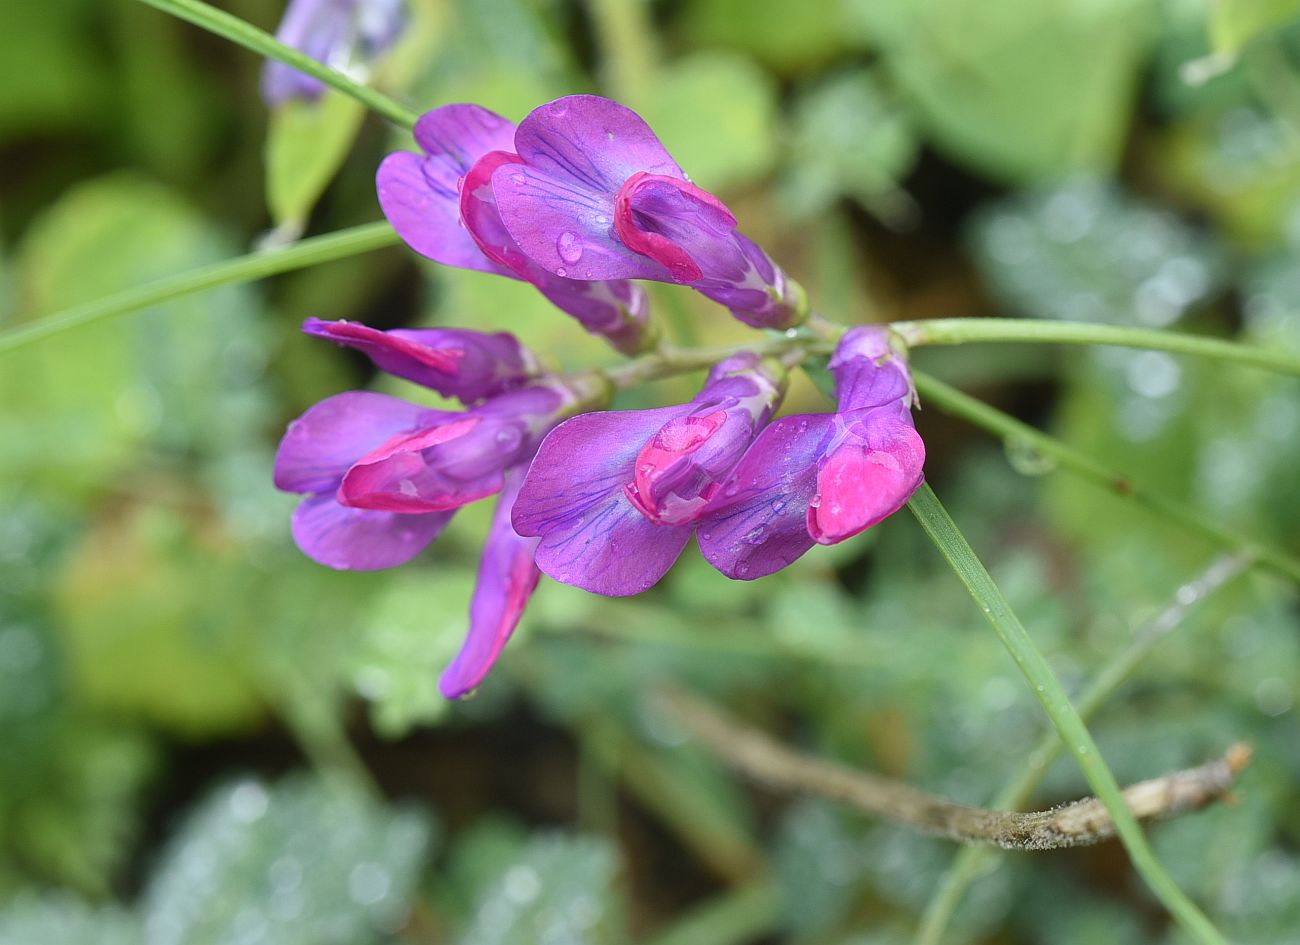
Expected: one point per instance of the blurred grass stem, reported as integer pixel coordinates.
(953, 331)
(949, 399)
(971, 863)
(254, 266)
(264, 44)
(945, 535)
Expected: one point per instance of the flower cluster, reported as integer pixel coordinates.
(577, 200)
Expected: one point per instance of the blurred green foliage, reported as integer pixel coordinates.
(208, 738)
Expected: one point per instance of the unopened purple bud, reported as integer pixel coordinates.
(456, 362)
(346, 35)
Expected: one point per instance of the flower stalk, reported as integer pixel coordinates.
(945, 535)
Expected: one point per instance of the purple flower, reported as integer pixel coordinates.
(315, 455)
(456, 362)
(507, 576)
(614, 496)
(441, 203)
(593, 194)
(342, 34)
(453, 459)
(821, 478)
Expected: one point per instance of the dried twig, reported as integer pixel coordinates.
(1083, 822)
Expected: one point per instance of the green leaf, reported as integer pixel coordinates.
(1018, 89)
(1235, 23)
(407, 637)
(1087, 251)
(558, 888)
(715, 111)
(848, 140)
(786, 39)
(820, 866)
(297, 863)
(63, 920)
(178, 377)
(306, 144)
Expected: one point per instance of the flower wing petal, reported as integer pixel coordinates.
(318, 448)
(424, 209)
(573, 498)
(361, 539)
(757, 524)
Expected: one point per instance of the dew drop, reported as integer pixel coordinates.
(706, 535)
(569, 246)
(815, 502)
(743, 567)
(756, 536)
(561, 272)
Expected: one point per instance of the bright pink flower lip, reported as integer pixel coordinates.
(859, 486)
(664, 454)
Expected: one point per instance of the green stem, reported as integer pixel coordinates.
(300, 255)
(937, 393)
(264, 44)
(952, 331)
(971, 862)
(943, 531)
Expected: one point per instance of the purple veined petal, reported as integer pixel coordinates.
(592, 142)
(868, 475)
(360, 539)
(507, 576)
(868, 372)
(426, 215)
(573, 499)
(758, 523)
(456, 136)
(566, 229)
(318, 448)
(455, 362)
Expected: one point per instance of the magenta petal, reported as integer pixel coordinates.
(866, 477)
(758, 523)
(320, 446)
(360, 539)
(507, 577)
(565, 228)
(425, 212)
(592, 142)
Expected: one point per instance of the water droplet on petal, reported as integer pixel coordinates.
(569, 246)
(743, 567)
(561, 272)
(816, 501)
